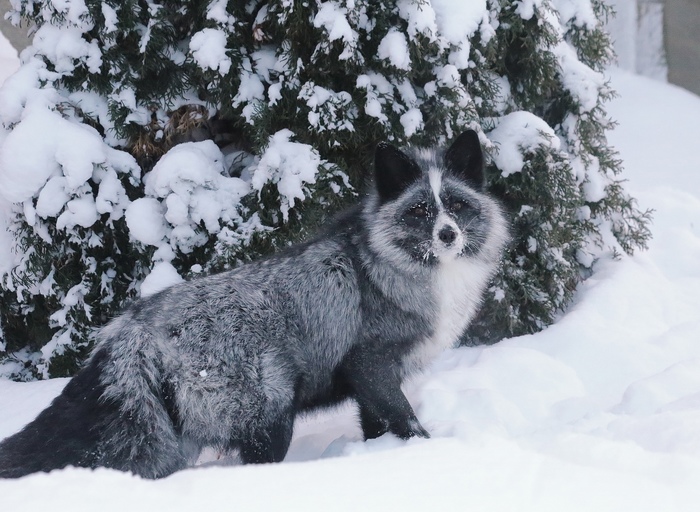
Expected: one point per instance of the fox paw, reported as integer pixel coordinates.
(410, 428)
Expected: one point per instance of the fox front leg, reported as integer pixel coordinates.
(267, 442)
(376, 386)
(372, 425)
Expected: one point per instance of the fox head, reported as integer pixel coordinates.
(430, 207)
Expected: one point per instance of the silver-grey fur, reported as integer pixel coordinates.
(229, 360)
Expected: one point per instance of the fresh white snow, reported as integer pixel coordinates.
(517, 132)
(599, 412)
(457, 21)
(9, 62)
(208, 48)
(394, 48)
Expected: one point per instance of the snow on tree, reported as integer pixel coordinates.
(145, 142)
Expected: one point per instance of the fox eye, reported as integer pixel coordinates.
(419, 211)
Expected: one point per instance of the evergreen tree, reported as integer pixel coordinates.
(166, 139)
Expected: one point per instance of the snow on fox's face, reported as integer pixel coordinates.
(438, 219)
(430, 208)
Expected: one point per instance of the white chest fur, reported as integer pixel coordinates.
(458, 289)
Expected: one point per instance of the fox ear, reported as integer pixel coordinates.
(393, 171)
(466, 160)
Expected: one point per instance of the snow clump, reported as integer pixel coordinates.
(208, 47)
(516, 134)
(290, 166)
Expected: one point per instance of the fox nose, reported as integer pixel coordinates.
(447, 235)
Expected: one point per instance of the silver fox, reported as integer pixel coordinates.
(231, 359)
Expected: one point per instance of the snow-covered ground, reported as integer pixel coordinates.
(599, 412)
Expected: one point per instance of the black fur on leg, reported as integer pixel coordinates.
(268, 444)
(372, 425)
(375, 378)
